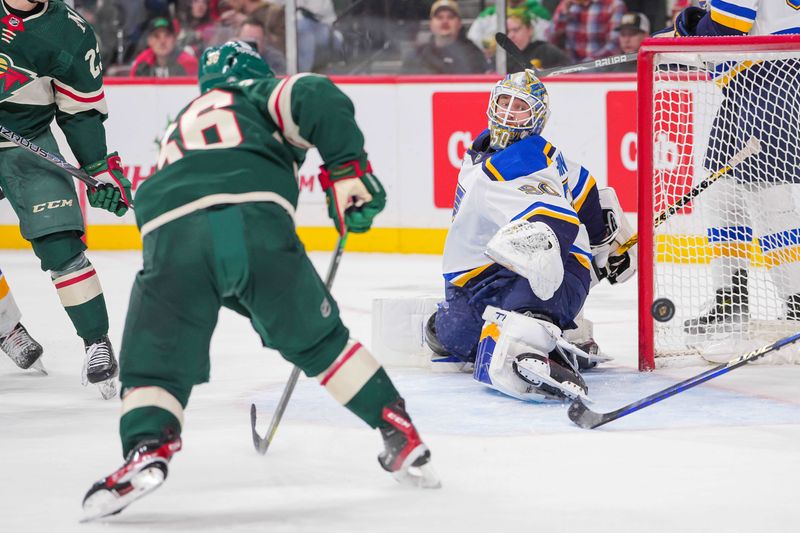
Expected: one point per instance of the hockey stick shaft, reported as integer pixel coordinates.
(588, 419)
(52, 158)
(751, 147)
(516, 54)
(262, 443)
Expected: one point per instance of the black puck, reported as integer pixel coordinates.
(663, 309)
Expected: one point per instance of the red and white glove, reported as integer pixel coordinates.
(115, 193)
(354, 195)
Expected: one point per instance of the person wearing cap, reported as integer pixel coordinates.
(633, 29)
(656, 11)
(162, 58)
(448, 51)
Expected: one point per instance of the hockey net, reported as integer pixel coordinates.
(729, 259)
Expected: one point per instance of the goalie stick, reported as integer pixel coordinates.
(21, 141)
(588, 419)
(262, 443)
(751, 147)
(516, 54)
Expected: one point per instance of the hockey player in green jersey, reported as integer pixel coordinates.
(217, 227)
(50, 68)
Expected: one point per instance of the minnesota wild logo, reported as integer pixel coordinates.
(12, 77)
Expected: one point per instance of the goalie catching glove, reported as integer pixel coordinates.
(115, 193)
(354, 195)
(609, 262)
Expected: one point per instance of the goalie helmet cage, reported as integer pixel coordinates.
(734, 230)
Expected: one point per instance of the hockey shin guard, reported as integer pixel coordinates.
(82, 297)
(149, 413)
(357, 381)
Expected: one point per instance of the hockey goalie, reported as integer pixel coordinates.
(531, 232)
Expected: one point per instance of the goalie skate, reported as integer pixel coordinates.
(550, 378)
(145, 470)
(101, 367)
(23, 349)
(405, 456)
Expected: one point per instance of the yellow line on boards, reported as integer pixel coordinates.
(386, 240)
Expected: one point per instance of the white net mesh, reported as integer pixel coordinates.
(730, 259)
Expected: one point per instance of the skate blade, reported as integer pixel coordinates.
(108, 388)
(421, 477)
(104, 503)
(39, 367)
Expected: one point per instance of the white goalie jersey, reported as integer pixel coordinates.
(530, 180)
(757, 17)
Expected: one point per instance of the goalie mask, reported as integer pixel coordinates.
(518, 108)
(231, 62)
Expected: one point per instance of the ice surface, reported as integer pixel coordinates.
(723, 457)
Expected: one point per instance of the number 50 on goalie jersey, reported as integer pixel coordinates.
(531, 180)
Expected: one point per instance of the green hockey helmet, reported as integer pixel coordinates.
(230, 62)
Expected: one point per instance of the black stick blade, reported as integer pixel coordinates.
(583, 416)
(511, 49)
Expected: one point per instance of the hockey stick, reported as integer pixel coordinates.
(588, 419)
(516, 54)
(44, 154)
(751, 147)
(262, 443)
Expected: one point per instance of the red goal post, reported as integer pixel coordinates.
(680, 93)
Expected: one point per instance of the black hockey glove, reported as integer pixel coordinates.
(687, 20)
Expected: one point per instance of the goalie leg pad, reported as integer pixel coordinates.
(511, 340)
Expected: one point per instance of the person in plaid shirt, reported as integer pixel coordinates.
(585, 28)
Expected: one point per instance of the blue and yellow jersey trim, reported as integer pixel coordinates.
(548, 210)
(732, 15)
(459, 279)
(549, 152)
(522, 158)
(491, 171)
(583, 257)
(586, 183)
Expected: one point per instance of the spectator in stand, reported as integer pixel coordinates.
(197, 27)
(483, 28)
(540, 54)
(634, 28)
(162, 58)
(585, 28)
(231, 16)
(253, 30)
(317, 41)
(275, 29)
(448, 51)
(654, 10)
(316, 38)
(103, 15)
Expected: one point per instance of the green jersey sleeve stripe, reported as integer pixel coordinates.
(280, 109)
